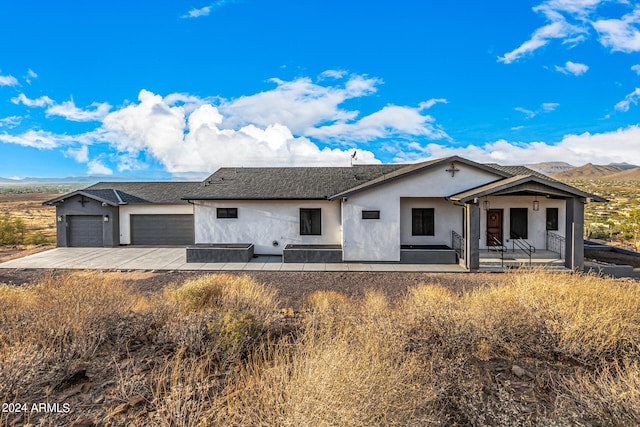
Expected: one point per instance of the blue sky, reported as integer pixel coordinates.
(179, 88)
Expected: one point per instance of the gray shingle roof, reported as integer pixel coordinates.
(117, 193)
(519, 170)
(311, 183)
(164, 193)
(285, 183)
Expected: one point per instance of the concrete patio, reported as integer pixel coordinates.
(174, 258)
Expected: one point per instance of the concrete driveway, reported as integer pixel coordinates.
(174, 258)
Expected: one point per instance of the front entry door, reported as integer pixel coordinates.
(494, 227)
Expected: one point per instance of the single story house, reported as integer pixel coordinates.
(422, 212)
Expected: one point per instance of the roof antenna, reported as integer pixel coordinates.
(353, 156)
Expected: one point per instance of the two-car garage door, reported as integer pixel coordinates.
(162, 229)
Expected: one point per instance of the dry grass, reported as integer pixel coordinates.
(542, 349)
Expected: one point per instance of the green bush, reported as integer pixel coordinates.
(12, 230)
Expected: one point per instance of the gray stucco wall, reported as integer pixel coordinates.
(73, 206)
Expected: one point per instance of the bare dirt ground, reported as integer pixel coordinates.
(292, 287)
(28, 206)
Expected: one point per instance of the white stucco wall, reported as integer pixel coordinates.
(380, 240)
(537, 220)
(447, 217)
(127, 210)
(263, 222)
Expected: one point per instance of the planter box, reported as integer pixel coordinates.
(427, 254)
(312, 253)
(220, 252)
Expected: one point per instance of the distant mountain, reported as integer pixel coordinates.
(587, 171)
(624, 165)
(625, 175)
(80, 179)
(550, 167)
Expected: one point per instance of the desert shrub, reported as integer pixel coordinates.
(607, 396)
(38, 238)
(536, 314)
(70, 314)
(351, 371)
(220, 292)
(12, 230)
(182, 388)
(591, 319)
(234, 330)
(327, 301)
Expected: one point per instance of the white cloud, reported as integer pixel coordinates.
(8, 81)
(206, 10)
(197, 13)
(36, 139)
(199, 142)
(299, 104)
(528, 113)
(80, 155)
(558, 28)
(431, 102)
(11, 121)
(69, 111)
(621, 146)
(332, 74)
(96, 167)
(545, 107)
(298, 122)
(573, 21)
(575, 68)
(620, 34)
(631, 98)
(38, 102)
(32, 74)
(391, 121)
(636, 68)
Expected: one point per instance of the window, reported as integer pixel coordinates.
(552, 219)
(370, 214)
(519, 224)
(422, 222)
(227, 212)
(310, 222)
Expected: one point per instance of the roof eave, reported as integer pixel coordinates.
(62, 198)
(400, 175)
(495, 187)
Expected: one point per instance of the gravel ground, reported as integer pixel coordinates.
(293, 287)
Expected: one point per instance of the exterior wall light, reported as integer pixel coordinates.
(486, 205)
(105, 218)
(536, 204)
(59, 218)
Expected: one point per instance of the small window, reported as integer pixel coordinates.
(227, 212)
(422, 222)
(370, 214)
(519, 223)
(310, 222)
(552, 219)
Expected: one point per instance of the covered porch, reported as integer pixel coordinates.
(523, 220)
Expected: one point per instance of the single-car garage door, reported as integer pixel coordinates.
(85, 230)
(162, 229)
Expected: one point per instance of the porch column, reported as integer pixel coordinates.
(574, 250)
(472, 239)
